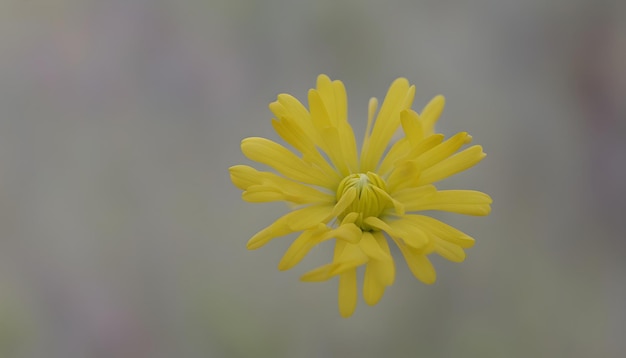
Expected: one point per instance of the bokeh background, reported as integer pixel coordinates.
(121, 235)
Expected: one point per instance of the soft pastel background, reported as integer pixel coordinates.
(121, 235)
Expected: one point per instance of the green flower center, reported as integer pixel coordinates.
(371, 197)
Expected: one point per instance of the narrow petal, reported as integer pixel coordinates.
(442, 230)
(387, 269)
(431, 113)
(294, 134)
(319, 274)
(351, 257)
(452, 165)
(301, 246)
(346, 199)
(397, 152)
(398, 98)
(418, 263)
(409, 232)
(412, 126)
(294, 221)
(373, 288)
(400, 229)
(411, 195)
(371, 248)
(347, 293)
(287, 106)
(348, 232)
(270, 153)
(405, 174)
(331, 142)
(291, 193)
(443, 150)
(243, 176)
(406, 171)
(265, 187)
(449, 251)
(467, 202)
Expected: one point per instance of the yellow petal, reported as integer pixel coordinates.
(348, 232)
(418, 263)
(346, 200)
(386, 269)
(373, 288)
(452, 165)
(292, 193)
(398, 98)
(345, 259)
(404, 175)
(400, 230)
(347, 293)
(371, 248)
(285, 162)
(449, 251)
(288, 106)
(431, 113)
(442, 230)
(443, 150)
(468, 202)
(291, 131)
(397, 152)
(351, 257)
(414, 194)
(296, 220)
(409, 232)
(243, 176)
(336, 132)
(266, 186)
(301, 246)
(412, 126)
(319, 274)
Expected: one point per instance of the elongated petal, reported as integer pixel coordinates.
(285, 162)
(411, 195)
(412, 126)
(294, 221)
(386, 270)
(431, 113)
(398, 98)
(294, 134)
(452, 165)
(328, 103)
(400, 229)
(266, 186)
(243, 176)
(397, 152)
(348, 232)
(406, 171)
(301, 246)
(373, 288)
(468, 202)
(371, 248)
(443, 150)
(347, 293)
(442, 230)
(351, 257)
(418, 263)
(287, 106)
(449, 251)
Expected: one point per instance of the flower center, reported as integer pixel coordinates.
(371, 197)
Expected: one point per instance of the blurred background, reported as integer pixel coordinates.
(122, 236)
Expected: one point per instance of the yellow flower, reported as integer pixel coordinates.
(361, 199)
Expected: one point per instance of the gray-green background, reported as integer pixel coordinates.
(121, 235)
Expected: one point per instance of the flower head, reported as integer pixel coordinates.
(361, 200)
